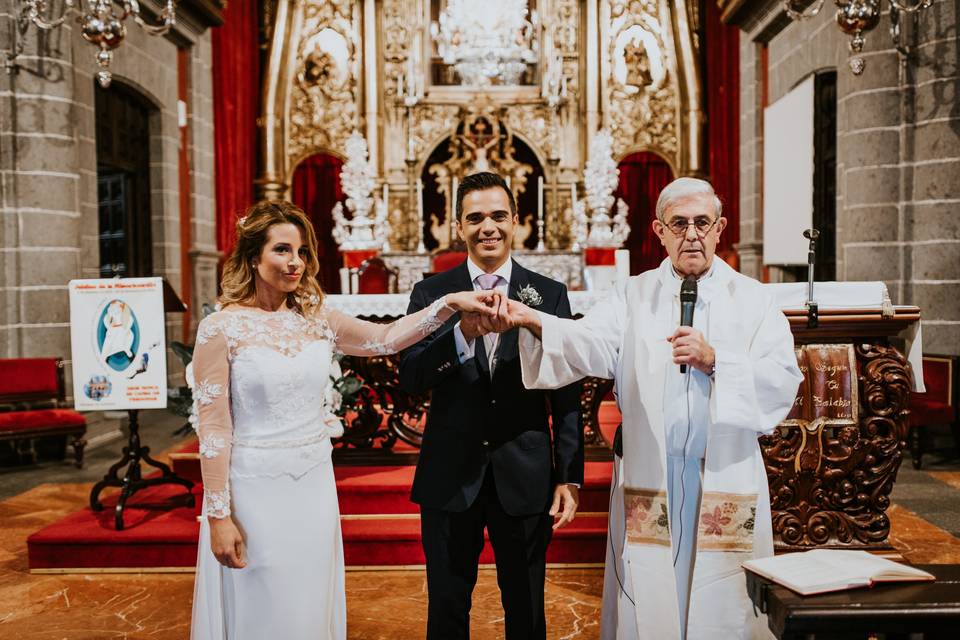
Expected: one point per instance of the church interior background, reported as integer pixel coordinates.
(138, 163)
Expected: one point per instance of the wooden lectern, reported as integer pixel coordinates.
(832, 463)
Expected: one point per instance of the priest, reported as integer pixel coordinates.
(689, 501)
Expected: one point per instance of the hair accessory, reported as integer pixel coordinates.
(242, 220)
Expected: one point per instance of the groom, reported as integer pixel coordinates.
(487, 458)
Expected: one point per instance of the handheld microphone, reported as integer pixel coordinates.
(688, 300)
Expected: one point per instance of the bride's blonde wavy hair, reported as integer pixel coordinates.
(239, 283)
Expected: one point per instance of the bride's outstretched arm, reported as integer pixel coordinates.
(355, 337)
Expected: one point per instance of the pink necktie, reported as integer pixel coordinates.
(489, 281)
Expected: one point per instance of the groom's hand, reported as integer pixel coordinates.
(471, 326)
(499, 322)
(566, 499)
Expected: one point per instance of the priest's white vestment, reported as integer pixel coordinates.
(689, 501)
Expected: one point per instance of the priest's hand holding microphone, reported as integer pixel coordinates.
(689, 346)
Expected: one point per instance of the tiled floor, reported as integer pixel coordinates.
(384, 604)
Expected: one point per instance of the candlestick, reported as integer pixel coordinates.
(455, 184)
(420, 246)
(540, 244)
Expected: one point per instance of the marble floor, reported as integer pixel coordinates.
(381, 604)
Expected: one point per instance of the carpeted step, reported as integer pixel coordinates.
(395, 541)
(155, 536)
(366, 490)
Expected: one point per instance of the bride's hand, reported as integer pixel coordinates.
(227, 543)
(485, 303)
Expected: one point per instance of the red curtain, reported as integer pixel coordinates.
(316, 189)
(642, 176)
(722, 43)
(236, 104)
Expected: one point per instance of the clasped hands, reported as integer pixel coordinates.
(500, 315)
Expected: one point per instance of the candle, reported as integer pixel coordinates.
(508, 182)
(453, 208)
(420, 201)
(621, 261)
(573, 195)
(539, 197)
(386, 199)
(344, 280)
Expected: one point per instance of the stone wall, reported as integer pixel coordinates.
(898, 151)
(48, 175)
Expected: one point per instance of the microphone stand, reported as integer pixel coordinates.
(813, 311)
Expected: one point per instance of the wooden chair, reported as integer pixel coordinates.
(31, 392)
(938, 406)
(374, 276)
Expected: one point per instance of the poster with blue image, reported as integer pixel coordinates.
(118, 344)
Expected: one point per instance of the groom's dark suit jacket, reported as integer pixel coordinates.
(475, 420)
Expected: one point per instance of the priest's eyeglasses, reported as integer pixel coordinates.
(701, 225)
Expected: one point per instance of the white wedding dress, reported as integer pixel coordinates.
(263, 410)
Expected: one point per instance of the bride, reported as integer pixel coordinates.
(270, 561)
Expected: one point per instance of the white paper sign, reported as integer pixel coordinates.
(788, 157)
(119, 344)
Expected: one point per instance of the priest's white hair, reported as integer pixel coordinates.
(684, 188)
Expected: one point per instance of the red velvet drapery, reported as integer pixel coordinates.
(236, 104)
(722, 43)
(316, 189)
(642, 176)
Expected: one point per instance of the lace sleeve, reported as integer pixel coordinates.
(211, 407)
(355, 337)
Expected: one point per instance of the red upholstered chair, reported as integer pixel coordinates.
(374, 276)
(446, 259)
(937, 406)
(31, 390)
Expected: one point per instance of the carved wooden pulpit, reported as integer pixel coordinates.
(832, 463)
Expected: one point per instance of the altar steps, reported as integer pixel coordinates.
(381, 527)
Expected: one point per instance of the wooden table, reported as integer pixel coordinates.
(930, 608)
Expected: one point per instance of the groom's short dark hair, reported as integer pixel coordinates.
(480, 182)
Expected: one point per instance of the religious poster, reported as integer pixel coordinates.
(118, 341)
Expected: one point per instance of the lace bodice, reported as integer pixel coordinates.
(261, 383)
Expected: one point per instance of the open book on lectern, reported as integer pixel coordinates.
(824, 570)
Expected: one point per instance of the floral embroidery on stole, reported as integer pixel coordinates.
(726, 519)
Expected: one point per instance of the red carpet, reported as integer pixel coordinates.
(380, 524)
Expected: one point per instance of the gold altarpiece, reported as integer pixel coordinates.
(338, 66)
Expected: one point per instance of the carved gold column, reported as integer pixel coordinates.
(371, 74)
(690, 138)
(592, 79)
(273, 182)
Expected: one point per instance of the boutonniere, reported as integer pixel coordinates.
(529, 296)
